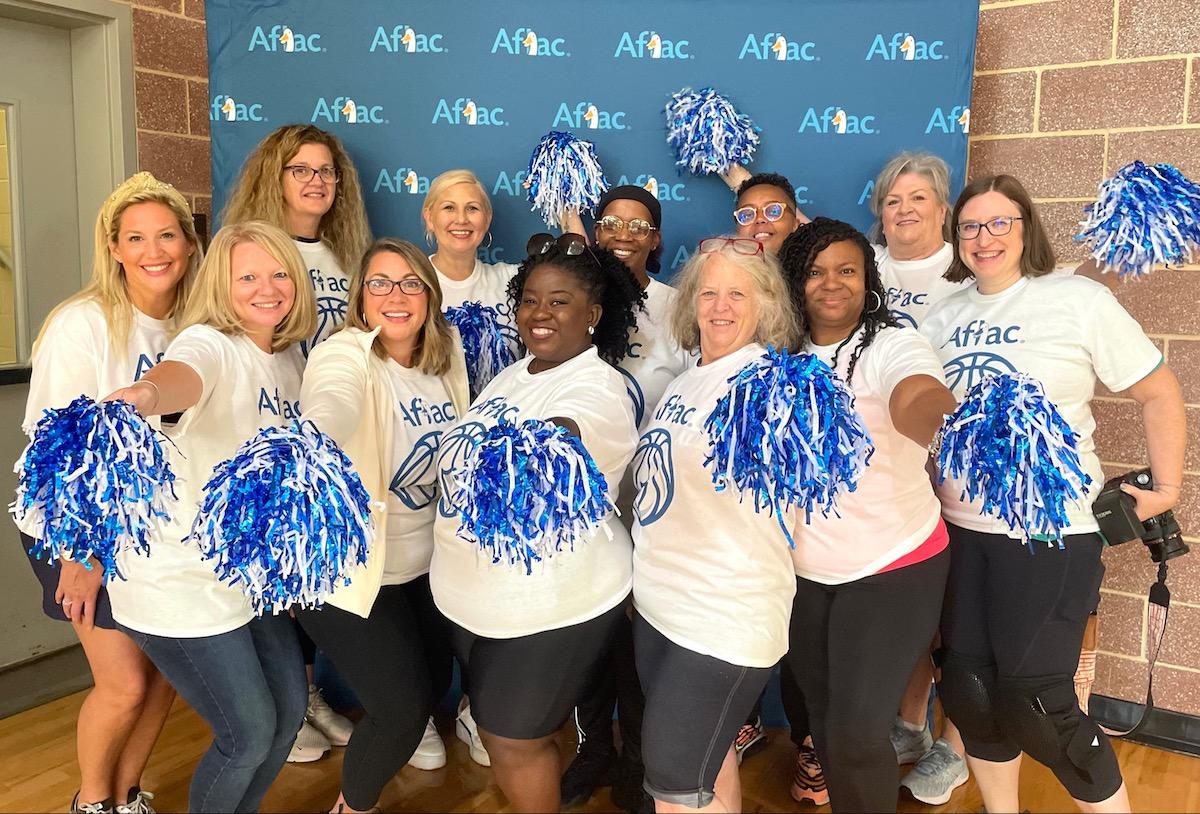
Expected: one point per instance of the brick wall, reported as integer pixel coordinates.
(1066, 92)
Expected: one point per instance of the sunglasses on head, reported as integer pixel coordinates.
(568, 243)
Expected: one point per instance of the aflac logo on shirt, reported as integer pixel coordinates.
(277, 405)
(653, 475)
(227, 109)
(465, 111)
(652, 45)
(836, 120)
(968, 369)
(777, 47)
(905, 47)
(953, 120)
(403, 180)
(345, 109)
(284, 38)
(661, 191)
(403, 39)
(526, 41)
(586, 115)
(411, 483)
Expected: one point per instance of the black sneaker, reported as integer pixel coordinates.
(592, 768)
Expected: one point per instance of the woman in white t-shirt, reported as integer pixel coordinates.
(870, 578)
(1014, 615)
(114, 330)
(386, 388)
(531, 641)
(713, 580)
(233, 369)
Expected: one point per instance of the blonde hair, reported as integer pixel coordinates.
(108, 288)
(777, 323)
(928, 166)
(211, 303)
(435, 342)
(258, 194)
(437, 190)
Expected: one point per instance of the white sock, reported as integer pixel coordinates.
(908, 726)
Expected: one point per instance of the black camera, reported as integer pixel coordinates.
(1116, 513)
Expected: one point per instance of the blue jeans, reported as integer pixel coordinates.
(249, 686)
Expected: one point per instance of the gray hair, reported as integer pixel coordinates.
(928, 166)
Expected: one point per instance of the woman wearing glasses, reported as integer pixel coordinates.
(386, 388)
(766, 210)
(713, 581)
(1013, 620)
(532, 640)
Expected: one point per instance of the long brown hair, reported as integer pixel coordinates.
(1037, 255)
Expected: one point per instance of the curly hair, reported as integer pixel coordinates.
(772, 179)
(797, 255)
(608, 283)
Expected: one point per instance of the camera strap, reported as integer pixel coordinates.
(1157, 608)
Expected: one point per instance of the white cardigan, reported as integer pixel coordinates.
(346, 393)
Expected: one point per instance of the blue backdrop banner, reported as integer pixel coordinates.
(418, 87)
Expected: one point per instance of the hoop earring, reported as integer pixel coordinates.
(489, 243)
(878, 302)
(429, 238)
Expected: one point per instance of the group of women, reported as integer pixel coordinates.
(679, 604)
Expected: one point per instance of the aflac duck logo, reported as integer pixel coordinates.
(345, 109)
(403, 39)
(956, 119)
(404, 180)
(526, 41)
(904, 47)
(836, 120)
(284, 38)
(586, 115)
(227, 109)
(776, 47)
(466, 111)
(652, 45)
(661, 191)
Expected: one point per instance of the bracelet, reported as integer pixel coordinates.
(157, 392)
(935, 445)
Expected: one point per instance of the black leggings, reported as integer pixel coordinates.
(616, 686)
(397, 661)
(1012, 627)
(852, 649)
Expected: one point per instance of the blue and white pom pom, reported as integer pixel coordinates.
(1016, 453)
(787, 435)
(95, 482)
(286, 519)
(707, 132)
(1145, 216)
(528, 492)
(484, 344)
(564, 175)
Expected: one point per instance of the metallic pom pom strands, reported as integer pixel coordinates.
(707, 132)
(487, 350)
(1145, 216)
(529, 490)
(564, 174)
(1015, 451)
(787, 435)
(286, 519)
(95, 480)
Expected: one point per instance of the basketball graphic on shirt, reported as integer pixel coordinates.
(904, 318)
(635, 395)
(331, 313)
(456, 446)
(412, 483)
(965, 371)
(653, 476)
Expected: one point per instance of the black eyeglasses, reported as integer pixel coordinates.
(382, 286)
(569, 244)
(997, 227)
(304, 173)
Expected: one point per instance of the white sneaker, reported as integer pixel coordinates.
(909, 744)
(937, 774)
(468, 733)
(336, 728)
(431, 752)
(140, 804)
(310, 744)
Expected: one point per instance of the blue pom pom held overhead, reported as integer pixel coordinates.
(486, 348)
(787, 435)
(1016, 453)
(286, 519)
(93, 482)
(528, 492)
(564, 175)
(707, 132)
(1145, 216)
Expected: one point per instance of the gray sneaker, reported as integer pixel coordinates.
(909, 745)
(937, 774)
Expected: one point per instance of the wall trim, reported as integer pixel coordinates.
(42, 679)
(1162, 729)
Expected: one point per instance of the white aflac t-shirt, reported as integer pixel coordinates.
(893, 510)
(501, 601)
(331, 285)
(709, 573)
(1064, 331)
(486, 285)
(172, 592)
(914, 286)
(422, 410)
